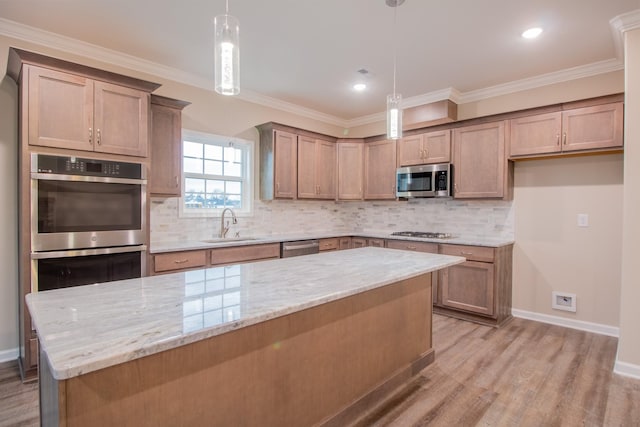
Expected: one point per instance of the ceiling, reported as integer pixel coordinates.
(307, 53)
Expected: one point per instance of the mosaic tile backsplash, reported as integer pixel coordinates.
(473, 218)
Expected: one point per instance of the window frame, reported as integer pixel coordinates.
(248, 149)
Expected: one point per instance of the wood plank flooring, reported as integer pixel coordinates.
(523, 374)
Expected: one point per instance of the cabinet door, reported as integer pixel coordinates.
(121, 118)
(285, 161)
(307, 160)
(595, 127)
(436, 146)
(537, 134)
(325, 170)
(350, 170)
(468, 286)
(60, 109)
(380, 170)
(479, 161)
(410, 151)
(166, 151)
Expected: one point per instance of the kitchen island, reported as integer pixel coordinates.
(297, 341)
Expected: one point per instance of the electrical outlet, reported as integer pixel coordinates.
(563, 301)
(583, 220)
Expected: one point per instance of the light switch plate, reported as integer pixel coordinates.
(583, 220)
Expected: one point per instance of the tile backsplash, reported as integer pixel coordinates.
(472, 218)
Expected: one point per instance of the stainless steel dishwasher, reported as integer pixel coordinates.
(299, 247)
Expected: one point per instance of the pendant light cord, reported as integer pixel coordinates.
(395, 46)
(227, 6)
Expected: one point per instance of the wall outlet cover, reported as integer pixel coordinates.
(563, 301)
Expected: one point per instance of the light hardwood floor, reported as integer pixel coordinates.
(523, 374)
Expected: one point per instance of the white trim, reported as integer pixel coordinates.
(620, 24)
(596, 328)
(8, 355)
(627, 369)
(77, 47)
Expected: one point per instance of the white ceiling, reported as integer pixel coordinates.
(307, 52)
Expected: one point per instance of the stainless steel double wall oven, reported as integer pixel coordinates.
(88, 221)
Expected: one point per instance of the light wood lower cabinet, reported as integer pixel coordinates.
(172, 262)
(478, 289)
(361, 242)
(175, 261)
(332, 244)
(427, 247)
(238, 254)
(345, 243)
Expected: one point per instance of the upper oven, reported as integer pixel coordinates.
(79, 203)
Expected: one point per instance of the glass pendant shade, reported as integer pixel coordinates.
(394, 116)
(227, 55)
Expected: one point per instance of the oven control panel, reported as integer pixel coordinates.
(42, 163)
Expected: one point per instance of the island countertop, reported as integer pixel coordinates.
(87, 328)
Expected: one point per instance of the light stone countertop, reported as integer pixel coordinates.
(185, 245)
(87, 328)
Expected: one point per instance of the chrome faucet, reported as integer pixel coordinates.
(224, 229)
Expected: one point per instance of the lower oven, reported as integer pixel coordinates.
(64, 269)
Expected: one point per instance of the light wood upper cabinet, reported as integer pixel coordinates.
(316, 168)
(580, 129)
(278, 163)
(537, 134)
(596, 127)
(350, 170)
(380, 170)
(480, 166)
(166, 146)
(74, 112)
(60, 108)
(426, 148)
(121, 120)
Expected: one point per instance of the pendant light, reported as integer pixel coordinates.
(394, 108)
(227, 53)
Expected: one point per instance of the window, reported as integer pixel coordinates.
(216, 173)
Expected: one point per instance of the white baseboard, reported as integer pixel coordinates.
(8, 355)
(627, 369)
(596, 328)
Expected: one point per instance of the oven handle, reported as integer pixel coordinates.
(88, 252)
(83, 178)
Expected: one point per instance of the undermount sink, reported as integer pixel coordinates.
(229, 239)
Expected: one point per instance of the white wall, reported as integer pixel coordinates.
(552, 253)
(629, 345)
(8, 220)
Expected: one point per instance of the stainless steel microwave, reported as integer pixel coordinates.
(424, 181)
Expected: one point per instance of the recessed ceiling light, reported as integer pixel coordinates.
(359, 87)
(532, 33)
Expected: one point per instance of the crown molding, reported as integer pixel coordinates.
(589, 70)
(55, 41)
(620, 24)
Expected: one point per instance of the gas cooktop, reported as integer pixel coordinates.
(423, 234)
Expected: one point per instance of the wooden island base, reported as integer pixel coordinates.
(324, 365)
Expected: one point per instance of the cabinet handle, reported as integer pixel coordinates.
(98, 137)
(177, 182)
(466, 253)
(90, 135)
(557, 139)
(181, 261)
(455, 188)
(426, 153)
(564, 138)
(411, 248)
(277, 186)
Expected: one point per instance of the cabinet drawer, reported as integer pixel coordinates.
(378, 243)
(179, 260)
(239, 254)
(344, 243)
(329, 244)
(471, 253)
(413, 246)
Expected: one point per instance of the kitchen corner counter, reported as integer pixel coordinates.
(92, 327)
